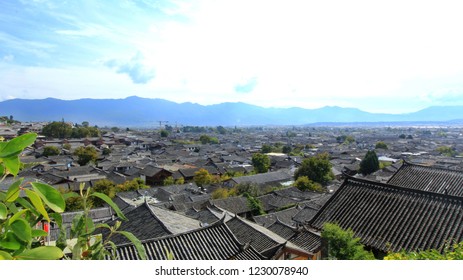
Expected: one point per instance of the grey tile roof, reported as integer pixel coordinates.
(429, 179)
(265, 178)
(307, 240)
(215, 242)
(391, 218)
(236, 205)
(285, 216)
(283, 230)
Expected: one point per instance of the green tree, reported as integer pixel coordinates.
(164, 133)
(206, 139)
(305, 184)
(168, 181)
(85, 123)
(381, 145)
(447, 151)
(342, 245)
(50, 151)
(369, 163)
(260, 162)
(316, 168)
(67, 146)
(287, 149)
(106, 151)
(255, 205)
(57, 130)
(115, 129)
(86, 155)
(221, 130)
(132, 185)
(202, 177)
(454, 252)
(266, 149)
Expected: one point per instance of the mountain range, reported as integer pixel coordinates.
(145, 112)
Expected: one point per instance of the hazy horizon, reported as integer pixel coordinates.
(392, 57)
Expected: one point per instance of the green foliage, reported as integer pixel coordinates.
(168, 181)
(106, 151)
(67, 146)
(266, 149)
(447, 151)
(369, 163)
(164, 133)
(202, 177)
(223, 193)
(50, 151)
(402, 136)
(65, 130)
(260, 162)
(344, 139)
(249, 188)
(454, 252)
(381, 145)
(57, 130)
(86, 154)
(305, 184)
(132, 185)
(316, 168)
(115, 129)
(286, 149)
(255, 205)
(206, 139)
(221, 130)
(342, 245)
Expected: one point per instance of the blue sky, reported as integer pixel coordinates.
(393, 56)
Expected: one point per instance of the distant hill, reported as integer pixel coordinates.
(144, 112)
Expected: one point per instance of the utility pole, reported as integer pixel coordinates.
(162, 122)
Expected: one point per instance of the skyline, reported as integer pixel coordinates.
(397, 57)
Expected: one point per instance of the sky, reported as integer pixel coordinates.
(378, 56)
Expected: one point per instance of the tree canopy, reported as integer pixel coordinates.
(50, 151)
(86, 154)
(202, 177)
(305, 184)
(342, 245)
(369, 164)
(316, 168)
(65, 130)
(260, 162)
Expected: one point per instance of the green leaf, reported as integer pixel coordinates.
(2, 169)
(5, 256)
(26, 205)
(39, 233)
(136, 242)
(108, 200)
(17, 144)
(3, 211)
(13, 191)
(22, 230)
(69, 195)
(61, 242)
(41, 253)
(12, 164)
(77, 225)
(17, 216)
(37, 202)
(10, 242)
(50, 196)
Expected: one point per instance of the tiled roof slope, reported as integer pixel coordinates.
(393, 218)
(215, 242)
(429, 179)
